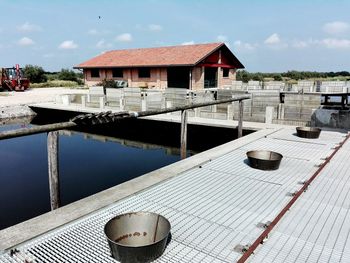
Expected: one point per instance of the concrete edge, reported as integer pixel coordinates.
(39, 225)
(16, 111)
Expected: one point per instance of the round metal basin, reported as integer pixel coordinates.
(137, 237)
(308, 132)
(264, 160)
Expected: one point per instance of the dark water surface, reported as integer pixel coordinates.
(90, 161)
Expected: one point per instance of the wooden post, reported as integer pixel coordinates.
(102, 103)
(52, 154)
(240, 119)
(183, 148)
(83, 101)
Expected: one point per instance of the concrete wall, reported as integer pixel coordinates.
(15, 111)
(331, 118)
(197, 78)
(300, 106)
(255, 108)
(228, 80)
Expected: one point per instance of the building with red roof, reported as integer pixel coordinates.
(186, 66)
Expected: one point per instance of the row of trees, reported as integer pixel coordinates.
(295, 75)
(37, 74)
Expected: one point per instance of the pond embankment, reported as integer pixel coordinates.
(15, 104)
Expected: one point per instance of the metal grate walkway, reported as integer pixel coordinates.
(317, 228)
(212, 208)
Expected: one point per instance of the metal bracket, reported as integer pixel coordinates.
(23, 256)
(292, 193)
(13, 252)
(263, 225)
(241, 248)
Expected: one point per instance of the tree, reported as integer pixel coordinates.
(35, 74)
(277, 77)
(67, 74)
(242, 75)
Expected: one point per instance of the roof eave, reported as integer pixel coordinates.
(135, 66)
(239, 66)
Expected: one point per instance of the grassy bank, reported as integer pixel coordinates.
(56, 83)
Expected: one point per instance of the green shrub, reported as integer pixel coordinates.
(108, 83)
(35, 74)
(67, 74)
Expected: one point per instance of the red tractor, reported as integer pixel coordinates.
(13, 79)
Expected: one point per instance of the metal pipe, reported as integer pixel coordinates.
(261, 238)
(125, 115)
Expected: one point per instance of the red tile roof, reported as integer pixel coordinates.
(188, 55)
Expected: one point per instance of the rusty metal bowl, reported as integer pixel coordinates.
(137, 237)
(308, 132)
(264, 160)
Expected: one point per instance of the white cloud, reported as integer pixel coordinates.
(155, 28)
(222, 38)
(68, 44)
(92, 32)
(103, 44)
(239, 45)
(188, 43)
(27, 27)
(335, 43)
(49, 55)
(95, 32)
(25, 41)
(126, 37)
(301, 44)
(336, 27)
(273, 39)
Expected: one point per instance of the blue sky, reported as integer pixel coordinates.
(267, 36)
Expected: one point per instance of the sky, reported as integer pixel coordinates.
(266, 36)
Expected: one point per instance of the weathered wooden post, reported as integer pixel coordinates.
(183, 140)
(240, 119)
(83, 101)
(52, 154)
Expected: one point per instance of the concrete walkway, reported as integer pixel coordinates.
(37, 95)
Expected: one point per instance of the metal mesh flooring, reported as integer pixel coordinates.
(317, 228)
(211, 208)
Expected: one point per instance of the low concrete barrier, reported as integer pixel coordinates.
(7, 112)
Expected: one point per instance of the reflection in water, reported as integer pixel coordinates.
(90, 160)
(86, 166)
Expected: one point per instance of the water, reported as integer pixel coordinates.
(90, 161)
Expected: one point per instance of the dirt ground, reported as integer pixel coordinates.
(38, 95)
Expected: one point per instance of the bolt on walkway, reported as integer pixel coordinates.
(221, 206)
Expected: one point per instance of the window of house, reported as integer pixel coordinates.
(117, 72)
(95, 73)
(225, 72)
(144, 73)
